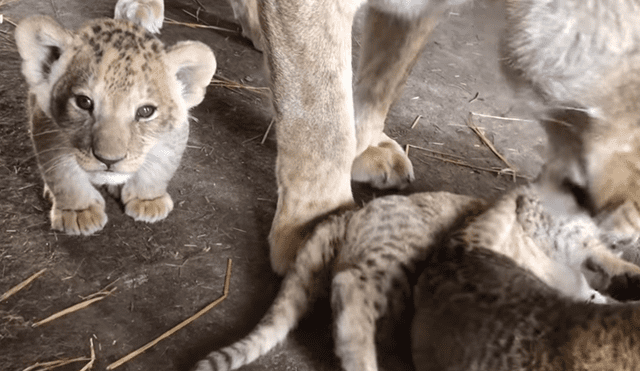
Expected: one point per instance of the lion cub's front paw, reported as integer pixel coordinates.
(149, 211)
(86, 221)
(383, 166)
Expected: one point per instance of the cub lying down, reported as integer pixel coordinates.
(108, 105)
(479, 310)
(369, 259)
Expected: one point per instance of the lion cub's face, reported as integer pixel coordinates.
(111, 90)
(115, 101)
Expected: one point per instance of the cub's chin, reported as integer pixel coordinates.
(108, 178)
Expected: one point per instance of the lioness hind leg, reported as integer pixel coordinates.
(390, 48)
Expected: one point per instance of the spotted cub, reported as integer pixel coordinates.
(108, 106)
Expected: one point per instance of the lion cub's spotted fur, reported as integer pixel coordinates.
(368, 259)
(108, 105)
(479, 310)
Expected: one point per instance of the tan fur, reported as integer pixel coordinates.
(581, 53)
(367, 260)
(478, 310)
(598, 71)
(108, 106)
(584, 55)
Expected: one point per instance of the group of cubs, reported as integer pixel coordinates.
(503, 286)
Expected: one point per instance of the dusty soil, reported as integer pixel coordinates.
(225, 198)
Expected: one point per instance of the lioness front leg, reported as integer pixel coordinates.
(310, 64)
(390, 47)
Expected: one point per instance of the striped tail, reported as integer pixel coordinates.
(300, 288)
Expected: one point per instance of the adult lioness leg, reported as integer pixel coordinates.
(309, 57)
(390, 47)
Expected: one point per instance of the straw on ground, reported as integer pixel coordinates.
(21, 285)
(225, 292)
(46, 366)
(93, 298)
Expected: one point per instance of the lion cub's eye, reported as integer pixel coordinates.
(84, 102)
(145, 112)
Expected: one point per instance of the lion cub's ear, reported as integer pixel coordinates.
(194, 64)
(41, 41)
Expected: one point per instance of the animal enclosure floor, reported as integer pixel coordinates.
(225, 198)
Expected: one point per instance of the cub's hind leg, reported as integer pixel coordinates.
(354, 321)
(391, 45)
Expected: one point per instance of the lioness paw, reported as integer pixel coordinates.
(147, 13)
(86, 221)
(383, 166)
(149, 211)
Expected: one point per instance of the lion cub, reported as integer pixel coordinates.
(108, 105)
(369, 258)
(479, 310)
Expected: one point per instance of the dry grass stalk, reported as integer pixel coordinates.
(196, 25)
(225, 292)
(415, 121)
(8, 20)
(105, 290)
(21, 285)
(98, 296)
(463, 163)
(45, 366)
(266, 133)
(500, 118)
(488, 143)
(228, 84)
(7, 2)
(89, 365)
(436, 152)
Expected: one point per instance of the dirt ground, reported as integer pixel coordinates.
(225, 197)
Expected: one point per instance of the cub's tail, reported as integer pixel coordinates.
(307, 278)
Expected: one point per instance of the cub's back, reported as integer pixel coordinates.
(478, 310)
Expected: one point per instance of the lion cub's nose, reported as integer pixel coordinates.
(105, 160)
